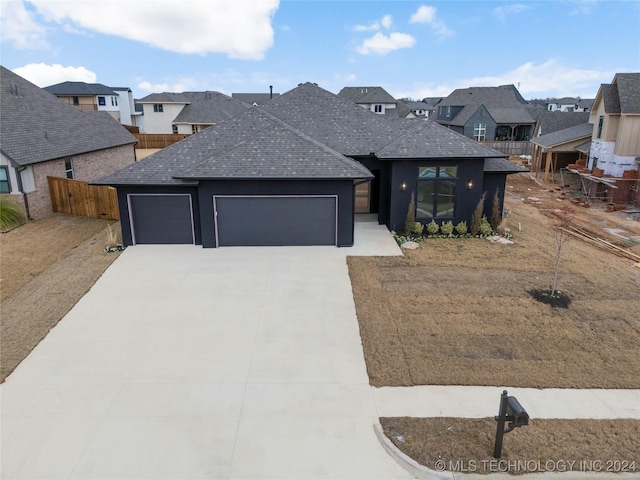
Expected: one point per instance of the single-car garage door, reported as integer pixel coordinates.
(160, 219)
(275, 220)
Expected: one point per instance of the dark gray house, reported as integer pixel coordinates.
(487, 113)
(286, 174)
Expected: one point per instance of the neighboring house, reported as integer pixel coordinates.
(556, 150)
(420, 109)
(569, 104)
(287, 173)
(615, 141)
(487, 113)
(118, 102)
(549, 122)
(254, 99)
(44, 136)
(377, 100)
(187, 112)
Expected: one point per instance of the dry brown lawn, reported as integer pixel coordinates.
(466, 445)
(457, 311)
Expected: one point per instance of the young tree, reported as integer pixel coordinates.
(561, 240)
(476, 219)
(411, 215)
(496, 218)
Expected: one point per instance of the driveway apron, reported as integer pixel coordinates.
(184, 362)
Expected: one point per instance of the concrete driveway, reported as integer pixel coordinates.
(183, 362)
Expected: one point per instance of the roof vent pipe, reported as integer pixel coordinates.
(270, 92)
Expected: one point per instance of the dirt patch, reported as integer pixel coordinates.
(48, 266)
(466, 445)
(458, 311)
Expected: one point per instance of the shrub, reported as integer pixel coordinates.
(477, 216)
(485, 227)
(432, 227)
(496, 218)
(461, 228)
(417, 228)
(11, 215)
(447, 228)
(411, 215)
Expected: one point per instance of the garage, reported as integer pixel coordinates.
(161, 218)
(275, 220)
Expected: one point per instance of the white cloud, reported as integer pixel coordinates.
(180, 85)
(501, 13)
(383, 44)
(43, 74)
(19, 27)
(385, 22)
(427, 15)
(552, 78)
(238, 29)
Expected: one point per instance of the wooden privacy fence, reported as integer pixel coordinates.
(80, 198)
(157, 140)
(510, 148)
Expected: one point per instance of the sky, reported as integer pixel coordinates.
(547, 48)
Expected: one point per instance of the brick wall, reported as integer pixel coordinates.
(86, 167)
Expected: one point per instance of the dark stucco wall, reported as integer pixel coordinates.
(125, 221)
(343, 188)
(407, 171)
(494, 182)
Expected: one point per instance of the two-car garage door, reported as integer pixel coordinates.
(238, 220)
(275, 220)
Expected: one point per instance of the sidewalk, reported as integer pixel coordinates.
(479, 402)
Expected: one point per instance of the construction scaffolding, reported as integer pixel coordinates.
(587, 187)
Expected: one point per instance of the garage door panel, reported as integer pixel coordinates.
(274, 221)
(161, 219)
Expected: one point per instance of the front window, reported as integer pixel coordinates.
(479, 131)
(4, 180)
(157, 107)
(114, 101)
(76, 100)
(194, 129)
(377, 108)
(600, 125)
(102, 101)
(436, 192)
(174, 128)
(68, 166)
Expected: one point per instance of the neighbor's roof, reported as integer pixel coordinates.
(628, 92)
(502, 165)
(79, 88)
(550, 122)
(504, 104)
(367, 95)
(164, 97)
(209, 108)
(257, 98)
(566, 135)
(253, 144)
(37, 126)
(584, 147)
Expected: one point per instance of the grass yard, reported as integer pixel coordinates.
(457, 312)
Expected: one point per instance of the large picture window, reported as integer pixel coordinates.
(479, 131)
(436, 192)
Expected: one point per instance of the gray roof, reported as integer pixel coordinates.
(502, 165)
(413, 105)
(610, 98)
(550, 122)
(504, 104)
(164, 97)
(367, 95)
(253, 144)
(251, 98)
(584, 147)
(209, 108)
(79, 88)
(37, 126)
(307, 132)
(628, 92)
(566, 135)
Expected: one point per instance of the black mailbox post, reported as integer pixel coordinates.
(510, 411)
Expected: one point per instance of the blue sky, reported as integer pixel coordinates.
(412, 49)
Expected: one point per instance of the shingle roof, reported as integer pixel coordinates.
(164, 97)
(37, 126)
(79, 88)
(366, 95)
(610, 98)
(504, 104)
(502, 165)
(584, 147)
(209, 108)
(628, 92)
(253, 144)
(566, 135)
(251, 98)
(553, 121)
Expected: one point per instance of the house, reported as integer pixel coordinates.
(187, 112)
(377, 100)
(117, 101)
(44, 136)
(487, 113)
(558, 149)
(615, 116)
(286, 173)
(569, 104)
(420, 109)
